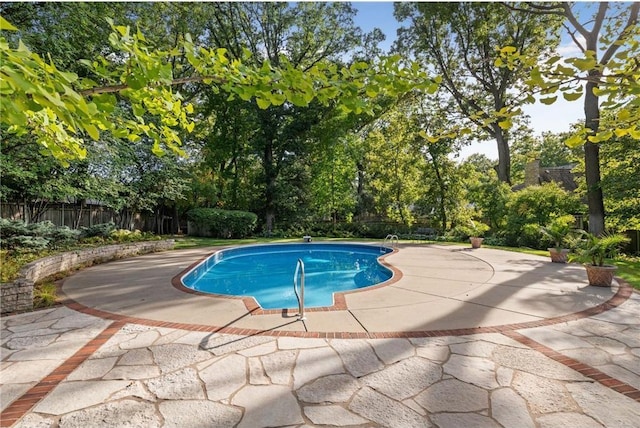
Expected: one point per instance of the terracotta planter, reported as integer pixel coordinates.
(476, 242)
(559, 255)
(600, 276)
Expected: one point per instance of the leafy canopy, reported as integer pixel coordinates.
(60, 109)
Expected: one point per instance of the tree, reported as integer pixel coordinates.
(32, 180)
(396, 179)
(333, 172)
(459, 41)
(298, 79)
(620, 159)
(441, 181)
(608, 69)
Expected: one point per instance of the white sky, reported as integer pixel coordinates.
(555, 118)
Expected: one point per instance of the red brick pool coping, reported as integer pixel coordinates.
(16, 410)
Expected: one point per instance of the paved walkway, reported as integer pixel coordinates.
(70, 368)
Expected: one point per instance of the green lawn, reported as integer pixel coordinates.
(629, 270)
(194, 242)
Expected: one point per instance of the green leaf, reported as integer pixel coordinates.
(6, 25)
(621, 132)
(277, 99)
(505, 124)
(584, 64)
(548, 101)
(105, 102)
(92, 131)
(263, 103)
(574, 141)
(624, 114)
(120, 133)
(572, 96)
(371, 91)
(508, 50)
(139, 35)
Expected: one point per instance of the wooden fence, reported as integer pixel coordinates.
(74, 216)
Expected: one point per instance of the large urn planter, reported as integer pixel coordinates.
(559, 255)
(600, 276)
(596, 249)
(476, 242)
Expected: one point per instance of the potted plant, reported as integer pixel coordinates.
(558, 231)
(476, 231)
(595, 249)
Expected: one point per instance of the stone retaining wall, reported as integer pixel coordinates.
(18, 295)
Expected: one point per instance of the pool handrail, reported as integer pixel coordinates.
(300, 297)
(393, 240)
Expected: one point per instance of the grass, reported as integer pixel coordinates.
(198, 242)
(629, 270)
(44, 295)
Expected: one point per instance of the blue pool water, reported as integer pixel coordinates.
(266, 272)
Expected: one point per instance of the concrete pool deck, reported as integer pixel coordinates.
(480, 338)
(435, 288)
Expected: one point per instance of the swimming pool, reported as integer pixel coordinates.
(265, 272)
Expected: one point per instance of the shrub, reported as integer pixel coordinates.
(62, 236)
(472, 228)
(101, 230)
(595, 249)
(19, 236)
(124, 235)
(25, 243)
(558, 229)
(531, 208)
(9, 228)
(222, 223)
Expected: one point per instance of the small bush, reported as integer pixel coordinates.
(9, 228)
(124, 235)
(102, 230)
(223, 223)
(62, 237)
(25, 243)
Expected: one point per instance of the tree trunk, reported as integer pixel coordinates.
(360, 208)
(504, 157)
(443, 194)
(270, 189)
(592, 158)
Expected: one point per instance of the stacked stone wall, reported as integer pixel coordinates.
(18, 295)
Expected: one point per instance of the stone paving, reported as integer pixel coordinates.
(145, 376)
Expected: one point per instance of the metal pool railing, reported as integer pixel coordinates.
(300, 297)
(391, 239)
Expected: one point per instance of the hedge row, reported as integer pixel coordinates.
(222, 223)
